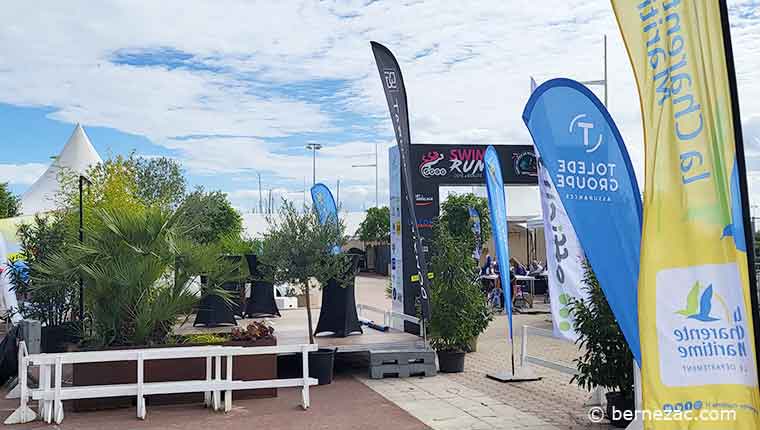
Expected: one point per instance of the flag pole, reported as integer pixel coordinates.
(742, 171)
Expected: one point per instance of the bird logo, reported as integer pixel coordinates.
(699, 307)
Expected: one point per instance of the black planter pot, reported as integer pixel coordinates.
(451, 361)
(55, 338)
(321, 364)
(620, 402)
(338, 314)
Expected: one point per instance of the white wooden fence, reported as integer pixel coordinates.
(51, 393)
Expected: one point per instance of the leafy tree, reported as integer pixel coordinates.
(458, 309)
(376, 226)
(10, 204)
(125, 182)
(110, 185)
(455, 215)
(297, 248)
(211, 216)
(160, 181)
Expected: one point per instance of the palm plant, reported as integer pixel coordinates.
(139, 267)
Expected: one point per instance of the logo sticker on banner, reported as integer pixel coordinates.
(704, 335)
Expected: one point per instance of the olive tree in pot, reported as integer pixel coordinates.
(297, 249)
(607, 361)
(459, 311)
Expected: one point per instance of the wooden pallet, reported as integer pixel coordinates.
(401, 363)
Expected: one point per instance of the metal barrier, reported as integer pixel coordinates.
(527, 358)
(389, 316)
(597, 394)
(50, 397)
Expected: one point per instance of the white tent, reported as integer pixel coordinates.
(77, 156)
(255, 225)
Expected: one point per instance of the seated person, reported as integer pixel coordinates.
(517, 267)
(486, 269)
(535, 268)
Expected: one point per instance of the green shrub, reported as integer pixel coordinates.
(49, 297)
(606, 359)
(458, 308)
(455, 216)
(205, 339)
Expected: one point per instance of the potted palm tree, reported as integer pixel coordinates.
(607, 361)
(459, 311)
(297, 249)
(138, 267)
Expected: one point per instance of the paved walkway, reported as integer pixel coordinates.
(444, 404)
(554, 398)
(552, 402)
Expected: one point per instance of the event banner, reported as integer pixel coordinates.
(475, 223)
(397, 248)
(584, 155)
(8, 229)
(395, 95)
(564, 257)
(497, 205)
(696, 293)
(8, 300)
(324, 205)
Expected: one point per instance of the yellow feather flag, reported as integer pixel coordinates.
(696, 296)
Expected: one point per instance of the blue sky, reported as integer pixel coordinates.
(239, 88)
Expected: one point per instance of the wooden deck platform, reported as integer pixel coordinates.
(290, 329)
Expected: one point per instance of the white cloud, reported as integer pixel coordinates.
(21, 174)
(466, 66)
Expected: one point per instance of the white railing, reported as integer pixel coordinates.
(51, 394)
(389, 316)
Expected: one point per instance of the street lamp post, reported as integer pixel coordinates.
(375, 164)
(82, 180)
(601, 82)
(314, 147)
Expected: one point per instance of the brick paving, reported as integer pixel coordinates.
(552, 399)
(444, 404)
